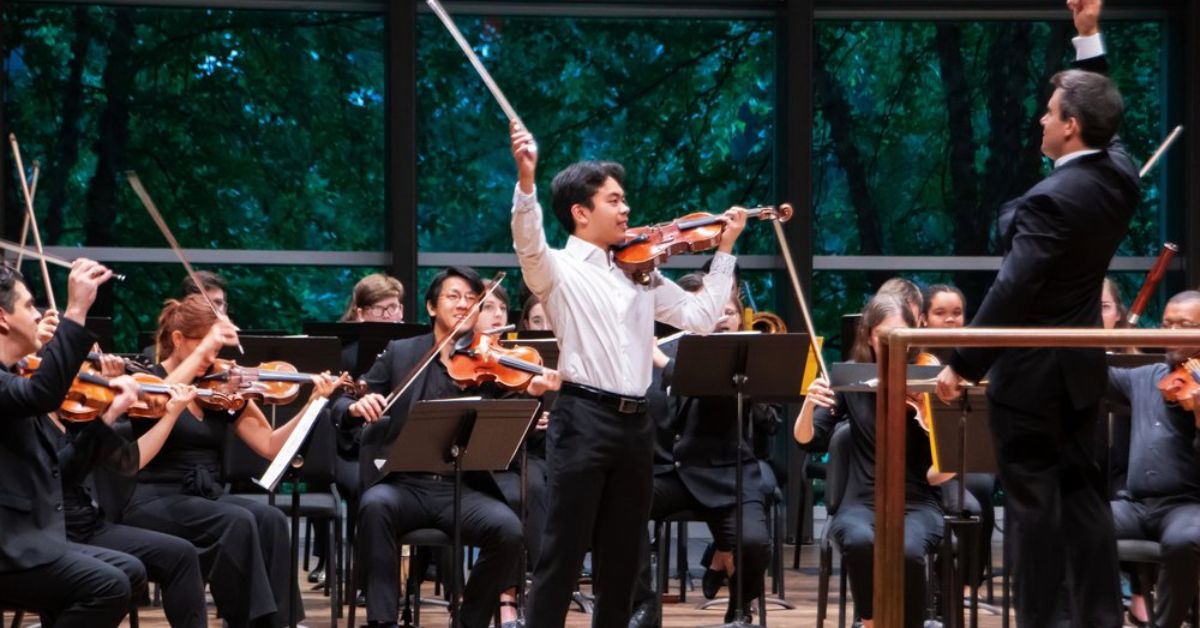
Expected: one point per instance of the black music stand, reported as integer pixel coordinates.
(960, 439)
(864, 377)
(311, 355)
(370, 338)
(745, 366)
(457, 435)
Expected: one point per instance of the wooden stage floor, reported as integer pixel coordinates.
(801, 590)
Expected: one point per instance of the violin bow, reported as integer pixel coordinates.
(37, 167)
(148, 203)
(399, 391)
(37, 236)
(1162, 149)
(46, 257)
(484, 75)
(791, 268)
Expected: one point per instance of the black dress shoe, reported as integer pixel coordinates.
(711, 583)
(645, 615)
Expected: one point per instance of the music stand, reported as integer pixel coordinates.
(741, 365)
(457, 435)
(311, 355)
(372, 337)
(864, 377)
(960, 440)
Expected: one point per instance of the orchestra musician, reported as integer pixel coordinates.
(854, 524)
(395, 503)
(38, 570)
(600, 443)
(1058, 239)
(1161, 500)
(243, 544)
(695, 468)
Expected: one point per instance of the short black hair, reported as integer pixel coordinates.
(577, 184)
(692, 282)
(1094, 100)
(9, 277)
(208, 279)
(466, 273)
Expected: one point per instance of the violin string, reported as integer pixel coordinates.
(37, 235)
(148, 203)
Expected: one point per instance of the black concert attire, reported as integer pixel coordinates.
(1058, 240)
(695, 468)
(167, 560)
(397, 503)
(854, 524)
(39, 571)
(1163, 502)
(244, 545)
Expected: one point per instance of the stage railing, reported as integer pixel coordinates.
(890, 445)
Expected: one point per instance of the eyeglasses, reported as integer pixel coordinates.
(1180, 325)
(455, 297)
(384, 310)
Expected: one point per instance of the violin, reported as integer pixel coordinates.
(479, 358)
(271, 383)
(645, 248)
(91, 394)
(1179, 386)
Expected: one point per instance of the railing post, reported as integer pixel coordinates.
(889, 484)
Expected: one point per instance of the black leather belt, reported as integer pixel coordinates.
(620, 403)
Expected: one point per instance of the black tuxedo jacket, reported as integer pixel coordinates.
(32, 528)
(388, 371)
(1058, 240)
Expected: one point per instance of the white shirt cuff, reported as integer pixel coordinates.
(523, 202)
(1088, 47)
(722, 264)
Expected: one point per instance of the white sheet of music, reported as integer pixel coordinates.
(270, 478)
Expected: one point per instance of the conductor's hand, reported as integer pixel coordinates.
(369, 408)
(1086, 14)
(524, 151)
(949, 385)
(735, 221)
(821, 394)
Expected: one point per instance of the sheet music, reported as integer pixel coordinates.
(291, 446)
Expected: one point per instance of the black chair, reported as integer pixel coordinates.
(419, 538)
(837, 472)
(1147, 555)
(321, 499)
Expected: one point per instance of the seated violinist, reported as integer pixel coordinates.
(38, 570)
(493, 314)
(168, 560)
(243, 544)
(854, 524)
(1162, 500)
(393, 504)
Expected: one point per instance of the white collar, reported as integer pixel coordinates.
(1069, 157)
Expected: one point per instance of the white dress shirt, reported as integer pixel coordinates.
(603, 320)
(1085, 48)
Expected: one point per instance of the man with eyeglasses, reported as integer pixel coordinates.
(1162, 497)
(394, 504)
(37, 569)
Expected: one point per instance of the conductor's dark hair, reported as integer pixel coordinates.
(466, 273)
(1092, 99)
(9, 277)
(577, 184)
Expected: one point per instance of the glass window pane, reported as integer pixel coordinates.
(686, 105)
(251, 129)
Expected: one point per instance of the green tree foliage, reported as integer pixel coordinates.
(252, 130)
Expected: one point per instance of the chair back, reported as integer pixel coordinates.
(838, 470)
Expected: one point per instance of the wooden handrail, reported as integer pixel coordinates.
(889, 443)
